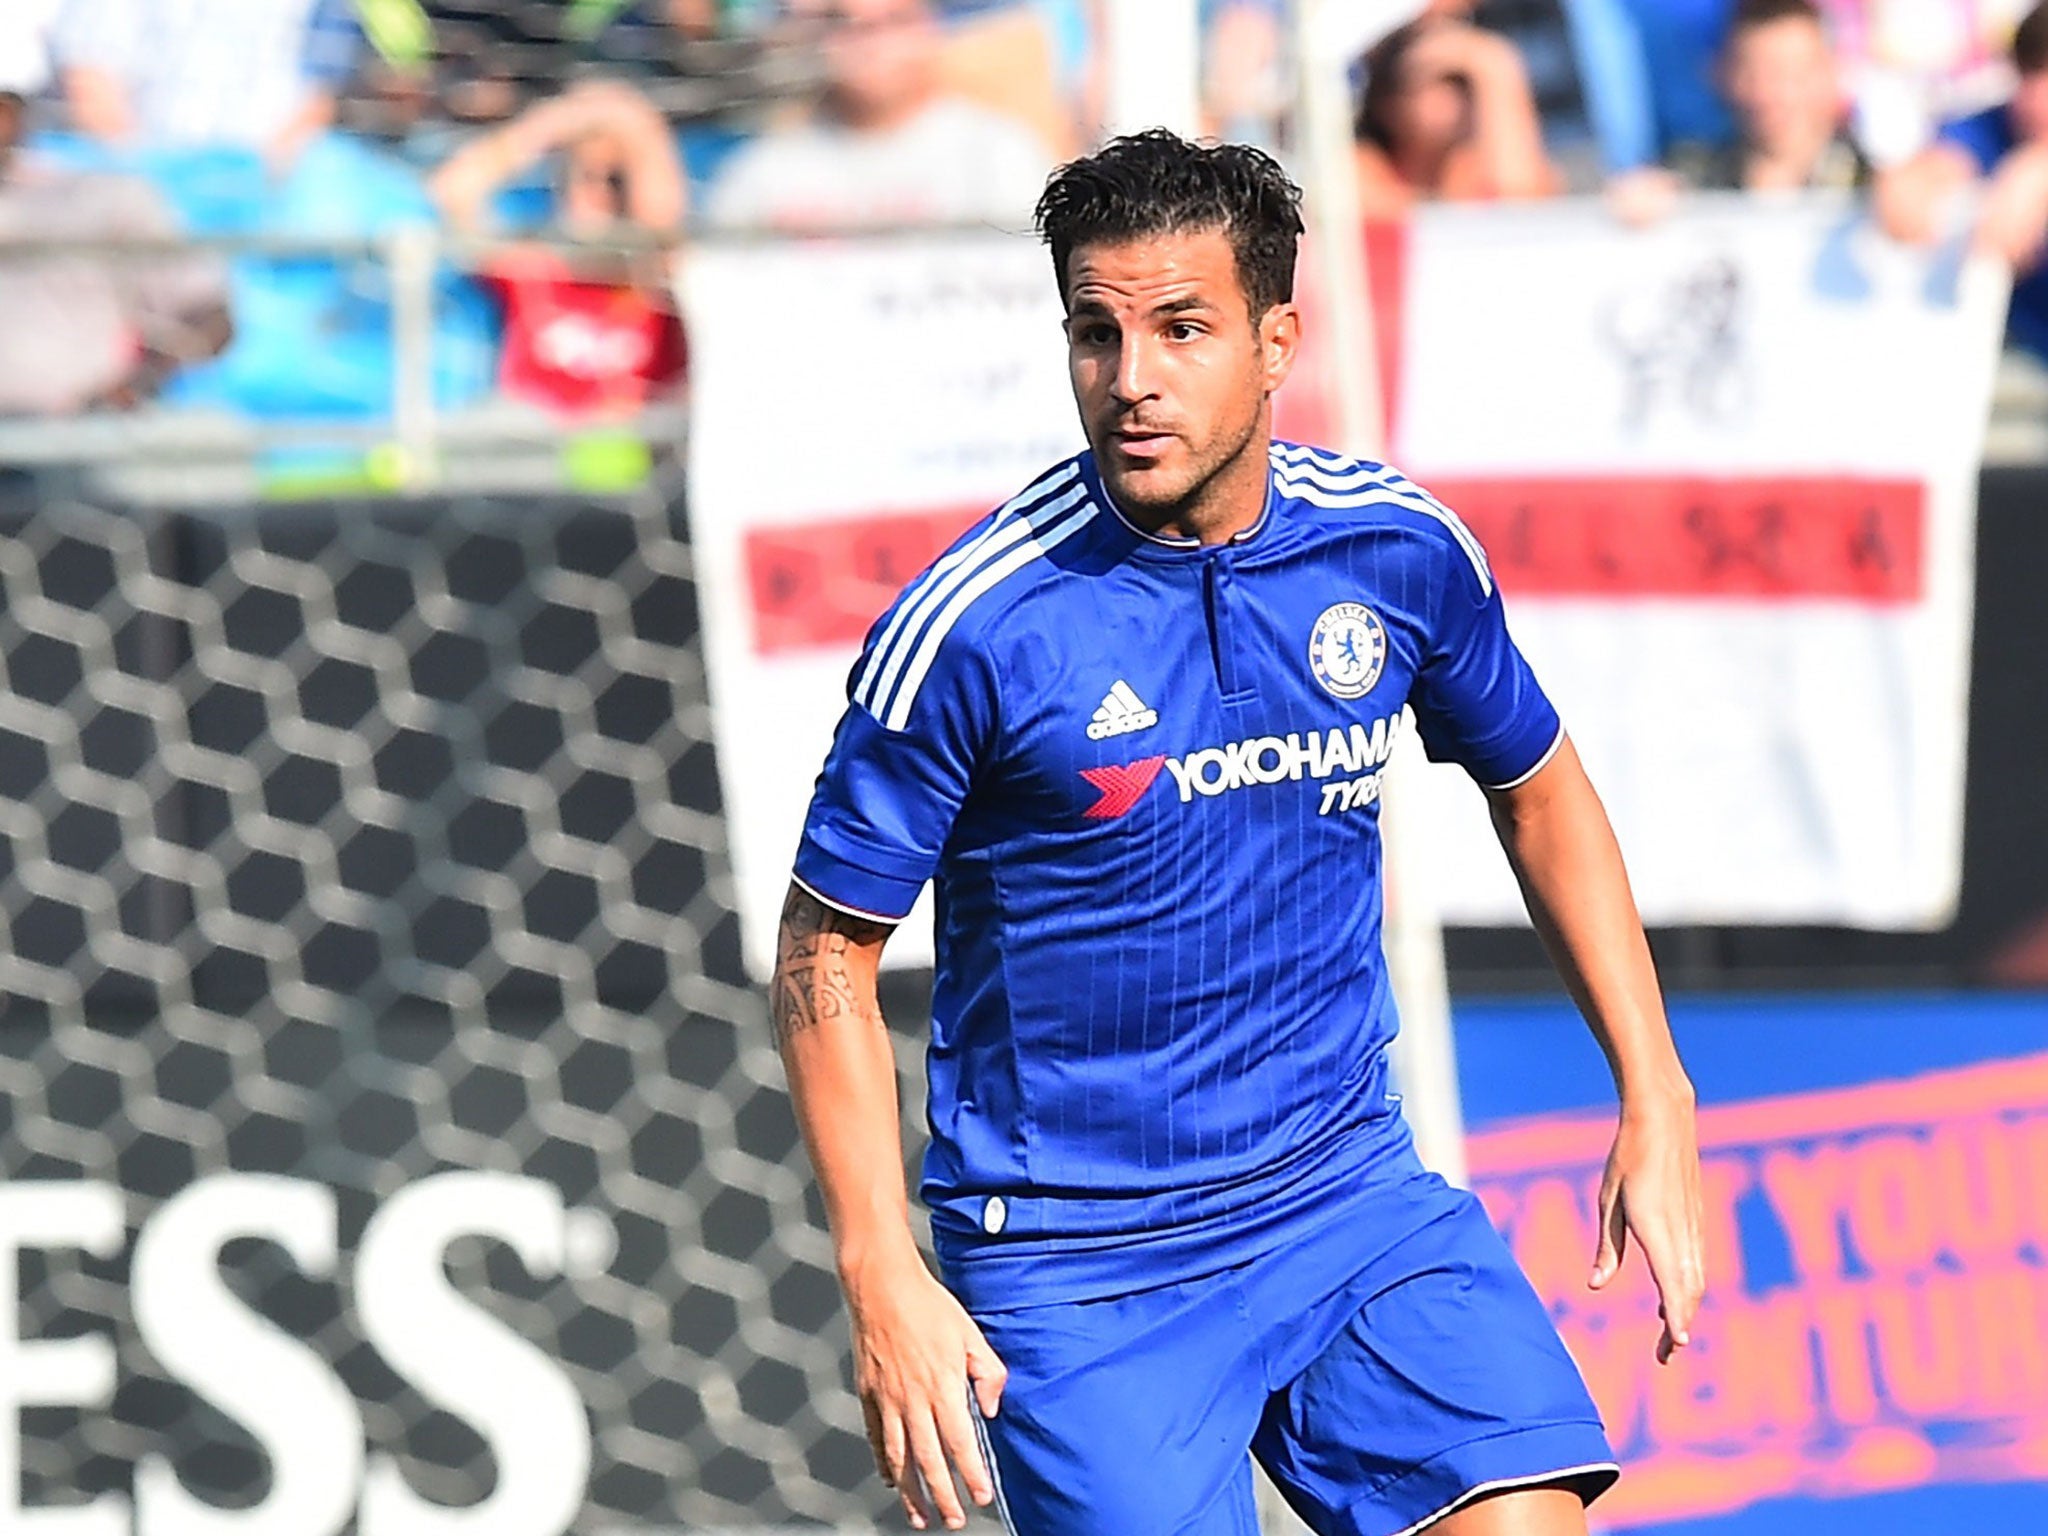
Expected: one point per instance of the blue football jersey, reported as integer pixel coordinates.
(1144, 776)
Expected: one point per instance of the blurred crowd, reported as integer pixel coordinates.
(573, 143)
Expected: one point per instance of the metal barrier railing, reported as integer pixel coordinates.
(416, 445)
(405, 449)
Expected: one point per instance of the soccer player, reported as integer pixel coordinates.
(1133, 723)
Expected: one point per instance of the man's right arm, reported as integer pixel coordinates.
(842, 1074)
(916, 1351)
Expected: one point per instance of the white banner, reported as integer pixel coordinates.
(1726, 469)
(854, 405)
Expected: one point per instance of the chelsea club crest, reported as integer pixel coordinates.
(1347, 648)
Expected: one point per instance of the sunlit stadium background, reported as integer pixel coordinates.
(391, 1137)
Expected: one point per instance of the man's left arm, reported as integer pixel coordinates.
(1569, 866)
(1478, 704)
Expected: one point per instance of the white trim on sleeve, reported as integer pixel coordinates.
(839, 906)
(1540, 764)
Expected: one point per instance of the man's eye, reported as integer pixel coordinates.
(1097, 335)
(1183, 330)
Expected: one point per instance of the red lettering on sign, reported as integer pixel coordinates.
(1785, 537)
(1692, 536)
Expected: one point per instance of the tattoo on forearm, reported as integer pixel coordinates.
(812, 982)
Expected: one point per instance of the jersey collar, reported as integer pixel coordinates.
(1160, 546)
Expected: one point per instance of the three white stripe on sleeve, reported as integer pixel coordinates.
(1027, 528)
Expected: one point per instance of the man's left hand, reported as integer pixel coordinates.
(1652, 1188)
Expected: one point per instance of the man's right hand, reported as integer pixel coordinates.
(916, 1356)
(916, 1352)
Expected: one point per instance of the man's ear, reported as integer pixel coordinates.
(1279, 343)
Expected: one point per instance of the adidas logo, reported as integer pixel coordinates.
(1121, 713)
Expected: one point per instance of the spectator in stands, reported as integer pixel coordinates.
(92, 330)
(1446, 114)
(1586, 72)
(617, 159)
(251, 74)
(2004, 152)
(1784, 89)
(597, 332)
(887, 144)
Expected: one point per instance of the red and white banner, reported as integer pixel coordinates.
(1726, 472)
(1725, 469)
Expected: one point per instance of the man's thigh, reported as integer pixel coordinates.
(1441, 1387)
(1131, 1416)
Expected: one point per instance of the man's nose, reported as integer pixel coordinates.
(1134, 371)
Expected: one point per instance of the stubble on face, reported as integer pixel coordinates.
(1167, 368)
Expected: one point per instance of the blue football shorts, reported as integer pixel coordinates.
(1385, 1369)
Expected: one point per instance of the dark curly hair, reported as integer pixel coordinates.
(1158, 183)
